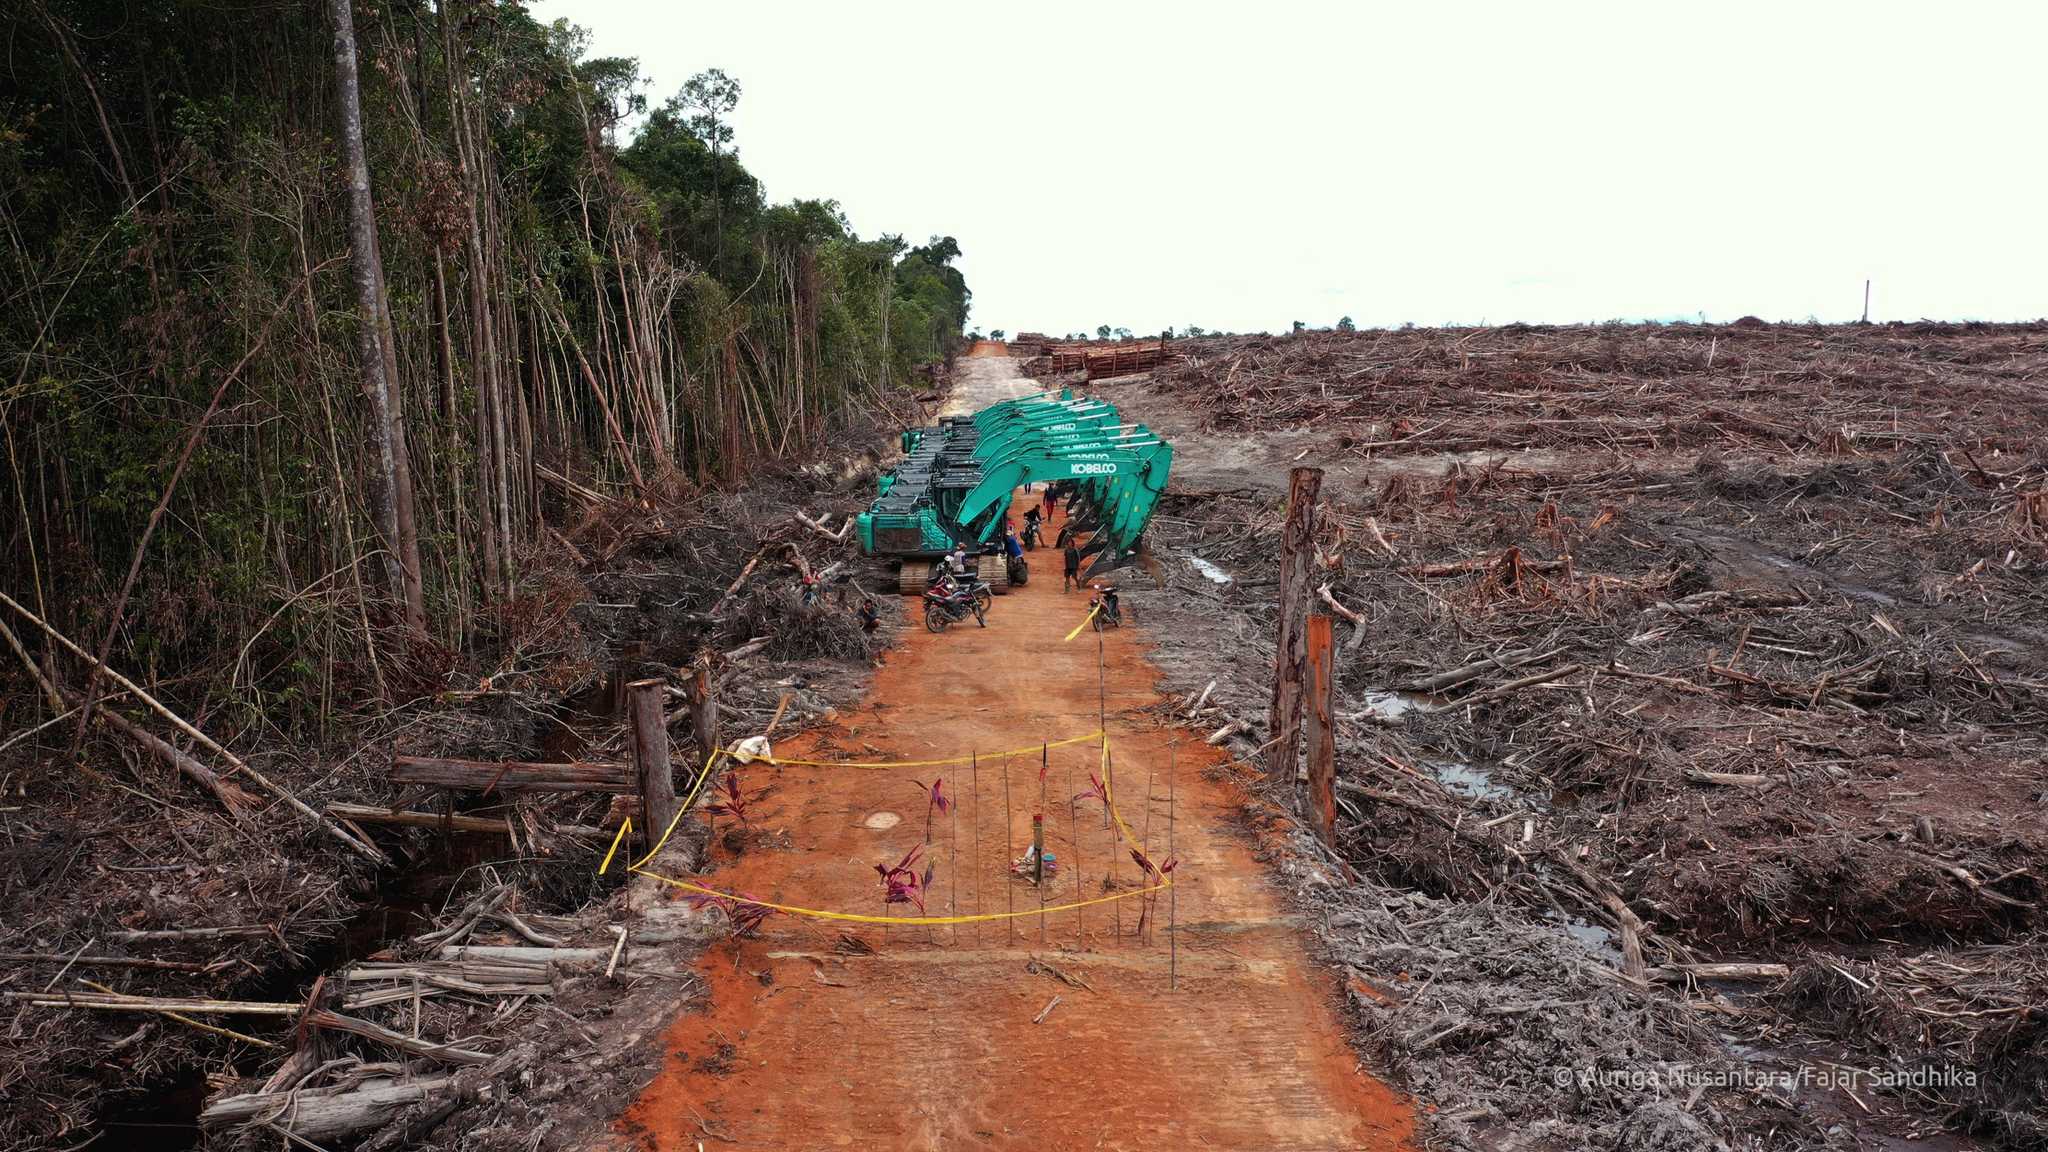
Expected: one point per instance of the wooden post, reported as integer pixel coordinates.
(703, 712)
(650, 758)
(1321, 808)
(1297, 556)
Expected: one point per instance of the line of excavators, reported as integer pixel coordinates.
(951, 493)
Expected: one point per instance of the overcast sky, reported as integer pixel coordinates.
(1245, 165)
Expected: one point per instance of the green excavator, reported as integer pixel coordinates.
(954, 485)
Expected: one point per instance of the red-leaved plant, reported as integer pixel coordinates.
(735, 802)
(901, 883)
(1155, 875)
(742, 915)
(935, 800)
(1099, 793)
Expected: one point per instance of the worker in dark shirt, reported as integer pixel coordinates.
(1072, 577)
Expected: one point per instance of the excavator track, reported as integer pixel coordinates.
(914, 577)
(994, 572)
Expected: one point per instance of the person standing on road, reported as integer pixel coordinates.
(1071, 578)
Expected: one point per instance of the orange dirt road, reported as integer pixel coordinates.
(941, 1038)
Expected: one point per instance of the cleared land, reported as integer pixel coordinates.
(1744, 622)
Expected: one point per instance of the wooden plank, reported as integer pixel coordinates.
(512, 775)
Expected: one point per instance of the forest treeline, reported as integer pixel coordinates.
(369, 292)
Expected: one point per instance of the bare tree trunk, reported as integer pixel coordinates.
(1297, 552)
(393, 497)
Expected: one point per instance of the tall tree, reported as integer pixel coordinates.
(393, 495)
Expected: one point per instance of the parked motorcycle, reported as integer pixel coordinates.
(943, 606)
(1103, 610)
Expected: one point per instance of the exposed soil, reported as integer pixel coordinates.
(815, 1035)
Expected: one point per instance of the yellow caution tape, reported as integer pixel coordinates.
(864, 918)
(624, 827)
(703, 774)
(1084, 621)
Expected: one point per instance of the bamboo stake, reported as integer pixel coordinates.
(1173, 893)
(1074, 830)
(1010, 889)
(1145, 846)
(974, 762)
(953, 870)
(1038, 836)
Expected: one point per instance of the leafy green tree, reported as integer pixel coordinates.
(1344, 324)
(1102, 332)
(709, 97)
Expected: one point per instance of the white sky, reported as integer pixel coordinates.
(1244, 165)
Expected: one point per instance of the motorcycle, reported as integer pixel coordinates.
(1103, 610)
(968, 585)
(943, 607)
(1032, 537)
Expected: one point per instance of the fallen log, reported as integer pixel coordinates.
(1679, 973)
(103, 961)
(447, 1053)
(512, 775)
(139, 936)
(1217, 737)
(745, 572)
(539, 956)
(1729, 779)
(818, 526)
(367, 814)
(1513, 686)
(317, 1114)
(1473, 671)
(116, 1002)
(362, 848)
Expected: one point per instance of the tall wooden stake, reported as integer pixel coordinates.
(1321, 809)
(974, 761)
(1074, 826)
(953, 904)
(1116, 835)
(1009, 922)
(1145, 834)
(1297, 558)
(651, 758)
(1173, 893)
(1038, 836)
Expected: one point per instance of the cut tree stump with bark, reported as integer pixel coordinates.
(1297, 562)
